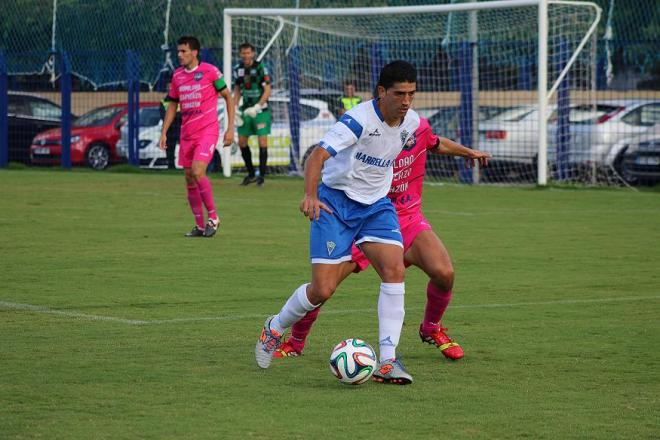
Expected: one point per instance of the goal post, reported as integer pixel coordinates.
(480, 51)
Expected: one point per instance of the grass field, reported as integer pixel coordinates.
(113, 325)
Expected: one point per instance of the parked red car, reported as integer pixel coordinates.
(94, 137)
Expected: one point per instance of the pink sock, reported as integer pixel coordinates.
(436, 304)
(195, 201)
(206, 192)
(301, 329)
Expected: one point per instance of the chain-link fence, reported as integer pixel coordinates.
(120, 46)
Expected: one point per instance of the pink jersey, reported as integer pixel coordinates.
(197, 94)
(409, 169)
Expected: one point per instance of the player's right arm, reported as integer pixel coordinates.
(344, 134)
(170, 114)
(237, 94)
(310, 205)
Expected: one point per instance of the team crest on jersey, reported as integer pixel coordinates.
(331, 246)
(198, 76)
(404, 136)
(410, 144)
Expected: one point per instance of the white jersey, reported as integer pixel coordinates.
(364, 148)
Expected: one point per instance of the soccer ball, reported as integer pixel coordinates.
(353, 361)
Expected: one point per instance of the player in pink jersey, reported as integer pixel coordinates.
(422, 247)
(195, 87)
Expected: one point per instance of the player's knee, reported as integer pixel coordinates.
(198, 173)
(443, 278)
(393, 273)
(321, 292)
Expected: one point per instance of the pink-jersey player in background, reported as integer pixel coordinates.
(422, 247)
(195, 87)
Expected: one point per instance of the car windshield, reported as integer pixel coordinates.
(442, 117)
(446, 120)
(280, 111)
(98, 117)
(490, 111)
(513, 115)
(590, 114)
(149, 116)
(45, 110)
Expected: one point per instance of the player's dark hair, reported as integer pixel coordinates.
(247, 45)
(192, 42)
(396, 72)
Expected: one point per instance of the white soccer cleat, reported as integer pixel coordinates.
(269, 341)
(392, 371)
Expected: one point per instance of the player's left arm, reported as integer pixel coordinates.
(447, 146)
(264, 97)
(263, 100)
(223, 90)
(231, 113)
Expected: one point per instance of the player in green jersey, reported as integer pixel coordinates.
(252, 83)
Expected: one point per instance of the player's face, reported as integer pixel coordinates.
(397, 100)
(186, 56)
(247, 55)
(349, 90)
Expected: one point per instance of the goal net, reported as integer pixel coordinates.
(480, 68)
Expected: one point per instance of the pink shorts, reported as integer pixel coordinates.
(200, 149)
(411, 225)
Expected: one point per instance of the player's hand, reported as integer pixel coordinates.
(311, 207)
(477, 156)
(252, 111)
(229, 138)
(162, 144)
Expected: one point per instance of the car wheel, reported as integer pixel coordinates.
(625, 173)
(98, 156)
(534, 170)
(215, 166)
(622, 170)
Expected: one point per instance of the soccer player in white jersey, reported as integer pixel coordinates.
(355, 161)
(423, 248)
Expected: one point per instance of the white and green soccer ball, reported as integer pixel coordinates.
(353, 361)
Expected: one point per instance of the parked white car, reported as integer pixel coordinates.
(512, 136)
(315, 117)
(601, 139)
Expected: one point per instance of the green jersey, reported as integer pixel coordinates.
(251, 81)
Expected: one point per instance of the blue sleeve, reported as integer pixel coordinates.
(345, 133)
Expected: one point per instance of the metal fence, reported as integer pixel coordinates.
(62, 73)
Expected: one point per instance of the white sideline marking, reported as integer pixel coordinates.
(69, 314)
(77, 315)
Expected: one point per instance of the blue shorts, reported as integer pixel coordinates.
(332, 235)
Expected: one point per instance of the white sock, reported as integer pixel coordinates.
(295, 308)
(390, 318)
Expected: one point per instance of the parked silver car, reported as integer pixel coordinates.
(594, 129)
(598, 140)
